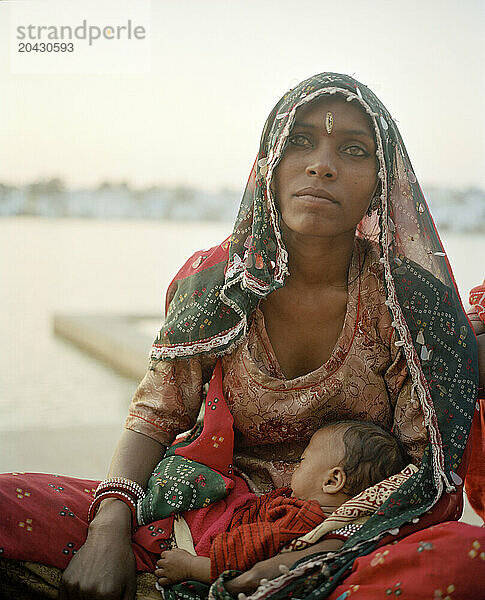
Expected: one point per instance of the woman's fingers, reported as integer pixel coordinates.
(245, 583)
(100, 570)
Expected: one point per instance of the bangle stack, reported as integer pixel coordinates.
(126, 490)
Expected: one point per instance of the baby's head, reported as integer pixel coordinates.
(343, 459)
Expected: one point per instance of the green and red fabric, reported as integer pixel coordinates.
(408, 570)
(197, 470)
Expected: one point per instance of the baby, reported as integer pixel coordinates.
(341, 460)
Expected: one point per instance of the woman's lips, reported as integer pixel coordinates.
(314, 199)
(315, 195)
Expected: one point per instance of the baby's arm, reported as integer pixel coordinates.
(179, 565)
(249, 581)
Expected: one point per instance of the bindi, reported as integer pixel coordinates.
(329, 122)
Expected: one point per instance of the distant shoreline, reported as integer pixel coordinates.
(452, 210)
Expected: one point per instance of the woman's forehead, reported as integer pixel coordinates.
(349, 113)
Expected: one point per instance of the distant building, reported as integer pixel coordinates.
(457, 210)
(452, 210)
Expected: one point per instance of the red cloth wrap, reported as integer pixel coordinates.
(260, 530)
(444, 561)
(475, 478)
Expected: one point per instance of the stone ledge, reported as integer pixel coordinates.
(114, 339)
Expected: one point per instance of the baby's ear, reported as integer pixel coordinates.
(334, 480)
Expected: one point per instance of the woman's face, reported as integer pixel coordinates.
(325, 181)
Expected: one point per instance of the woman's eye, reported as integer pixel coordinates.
(355, 151)
(298, 139)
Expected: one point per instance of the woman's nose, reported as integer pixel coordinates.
(321, 165)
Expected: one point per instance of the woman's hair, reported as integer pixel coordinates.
(371, 454)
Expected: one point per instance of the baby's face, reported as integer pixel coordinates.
(325, 451)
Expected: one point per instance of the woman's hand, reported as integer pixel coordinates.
(104, 567)
(248, 582)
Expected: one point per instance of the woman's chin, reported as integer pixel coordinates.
(312, 226)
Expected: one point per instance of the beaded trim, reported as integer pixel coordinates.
(122, 483)
(181, 350)
(266, 589)
(128, 491)
(346, 530)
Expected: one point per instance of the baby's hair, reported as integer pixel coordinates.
(371, 454)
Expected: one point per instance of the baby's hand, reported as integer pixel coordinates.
(173, 566)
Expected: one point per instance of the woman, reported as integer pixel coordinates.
(332, 299)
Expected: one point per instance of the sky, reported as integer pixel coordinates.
(191, 109)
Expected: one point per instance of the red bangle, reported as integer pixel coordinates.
(129, 486)
(126, 498)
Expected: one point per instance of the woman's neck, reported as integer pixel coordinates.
(318, 261)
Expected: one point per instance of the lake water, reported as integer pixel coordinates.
(61, 410)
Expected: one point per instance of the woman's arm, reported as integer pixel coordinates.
(105, 565)
(165, 403)
(249, 581)
(178, 565)
(135, 458)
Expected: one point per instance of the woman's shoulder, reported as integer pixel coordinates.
(197, 263)
(204, 259)
(371, 269)
(374, 314)
(369, 252)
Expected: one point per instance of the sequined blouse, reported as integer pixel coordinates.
(365, 378)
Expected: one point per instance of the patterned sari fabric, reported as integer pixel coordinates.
(211, 302)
